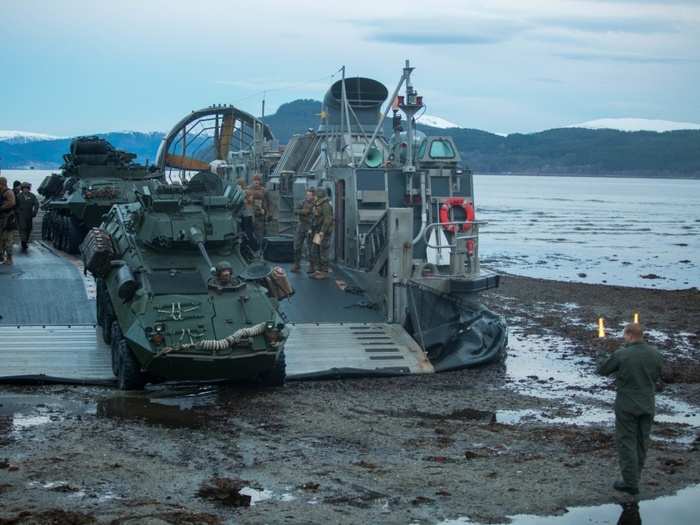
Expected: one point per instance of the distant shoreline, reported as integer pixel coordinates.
(677, 176)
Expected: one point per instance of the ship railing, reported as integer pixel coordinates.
(375, 242)
(463, 249)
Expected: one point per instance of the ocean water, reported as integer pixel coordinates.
(623, 231)
(585, 229)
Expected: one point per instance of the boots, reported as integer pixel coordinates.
(24, 246)
(624, 487)
(311, 270)
(8, 260)
(319, 275)
(296, 268)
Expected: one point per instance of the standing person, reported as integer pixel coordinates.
(27, 206)
(247, 217)
(304, 213)
(258, 201)
(321, 231)
(7, 221)
(16, 188)
(637, 369)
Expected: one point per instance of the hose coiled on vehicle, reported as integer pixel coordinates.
(214, 345)
(229, 341)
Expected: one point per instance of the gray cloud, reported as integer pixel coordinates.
(425, 38)
(468, 30)
(585, 56)
(632, 24)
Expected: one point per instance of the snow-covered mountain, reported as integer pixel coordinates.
(436, 122)
(20, 137)
(636, 124)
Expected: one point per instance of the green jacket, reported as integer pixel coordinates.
(26, 205)
(323, 217)
(304, 212)
(637, 368)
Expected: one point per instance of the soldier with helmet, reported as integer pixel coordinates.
(256, 200)
(26, 207)
(304, 213)
(321, 231)
(7, 221)
(223, 277)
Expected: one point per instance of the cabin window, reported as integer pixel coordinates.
(421, 149)
(441, 149)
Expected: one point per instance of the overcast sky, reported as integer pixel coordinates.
(72, 66)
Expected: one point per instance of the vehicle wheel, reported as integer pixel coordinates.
(129, 375)
(74, 235)
(46, 227)
(56, 224)
(65, 228)
(116, 338)
(107, 319)
(98, 301)
(277, 374)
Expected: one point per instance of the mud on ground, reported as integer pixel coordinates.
(531, 436)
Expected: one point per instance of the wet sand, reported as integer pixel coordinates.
(531, 436)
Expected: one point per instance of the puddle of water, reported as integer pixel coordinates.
(678, 509)
(544, 366)
(151, 411)
(257, 496)
(21, 421)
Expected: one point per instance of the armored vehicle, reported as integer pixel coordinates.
(94, 176)
(175, 298)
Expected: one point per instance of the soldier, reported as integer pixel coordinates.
(257, 200)
(7, 221)
(304, 212)
(223, 278)
(26, 208)
(247, 217)
(637, 368)
(321, 231)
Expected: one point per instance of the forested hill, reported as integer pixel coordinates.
(575, 151)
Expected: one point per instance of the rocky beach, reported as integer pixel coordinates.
(532, 435)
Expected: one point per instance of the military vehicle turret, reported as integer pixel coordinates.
(175, 298)
(94, 176)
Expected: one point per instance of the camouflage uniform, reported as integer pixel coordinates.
(26, 208)
(637, 368)
(304, 213)
(322, 223)
(256, 201)
(7, 224)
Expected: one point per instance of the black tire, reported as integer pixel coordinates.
(46, 227)
(74, 235)
(107, 319)
(129, 375)
(116, 338)
(57, 224)
(277, 374)
(98, 301)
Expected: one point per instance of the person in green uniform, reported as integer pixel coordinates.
(26, 207)
(321, 231)
(637, 369)
(303, 211)
(8, 223)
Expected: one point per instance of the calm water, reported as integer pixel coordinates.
(592, 229)
(580, 228)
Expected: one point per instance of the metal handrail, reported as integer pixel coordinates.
(457, 237)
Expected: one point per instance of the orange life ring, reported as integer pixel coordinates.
(459, 202)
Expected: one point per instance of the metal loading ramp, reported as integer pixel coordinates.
(320, 350)
(66, 354)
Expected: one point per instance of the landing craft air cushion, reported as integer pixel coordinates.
(406, 244)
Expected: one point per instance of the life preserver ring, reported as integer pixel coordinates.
(458, 202)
